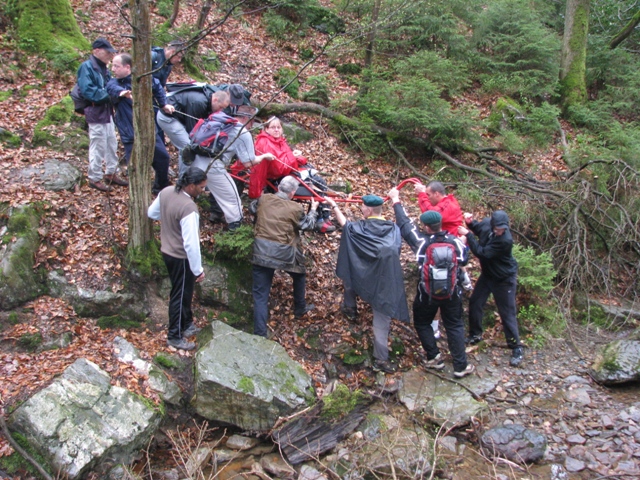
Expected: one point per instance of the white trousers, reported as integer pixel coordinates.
(103, 147)
(223, 188)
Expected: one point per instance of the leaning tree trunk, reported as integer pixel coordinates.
(140, 227)
(574, 54)
(204, 13)
(174, 14)
(626, 31)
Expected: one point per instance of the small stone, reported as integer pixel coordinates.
(450, 443)
(239, 442)
(607, 422)
(579, 396)
(628, 467)
(574, 465)
(576, 439)
(511, 411)
(307, 472)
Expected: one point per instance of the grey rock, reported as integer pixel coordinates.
(574, 465)
(450, 443)
(246, 380)
(226, 285)
(578, 395)
(444, 401)
(617, 362)
(307, 472)
(277, 466)
(81, 422)
(54, 175)
(515, 443)
(295, 133)
(558, 472)
(240, 442)
(576, 379)
(576, 439)
(99, 303)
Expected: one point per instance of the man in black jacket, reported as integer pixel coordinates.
(490, 240)
(369, 266)
(424, 306)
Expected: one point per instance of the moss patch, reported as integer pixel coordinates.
(167, 361)
(117, 321)
(15, 463)
(49, 131)
(246, 385)
(341, 402)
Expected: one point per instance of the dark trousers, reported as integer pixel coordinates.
(424, 311)
(262, 280)
(160, 163)
(504, 293)
(182, 283)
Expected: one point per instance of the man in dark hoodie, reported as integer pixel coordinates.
(490, 240)
(369, 266)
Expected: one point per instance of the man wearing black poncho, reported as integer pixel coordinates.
(369, 266)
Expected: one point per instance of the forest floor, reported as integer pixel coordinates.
(84, 234)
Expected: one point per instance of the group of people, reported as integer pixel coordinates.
(369, 256)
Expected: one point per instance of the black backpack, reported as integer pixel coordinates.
(79, 102)
(209, 137)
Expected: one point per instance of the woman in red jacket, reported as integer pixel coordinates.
(271, 140)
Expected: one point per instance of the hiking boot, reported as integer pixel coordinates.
(307, 309)
(350, 312)
(473, 339)
(181, 344)
(99, 186)
(517, 355)
(467, 371)
(113, 178)
(324, 226)
(233, 226)
(191, 331)
(435, 363)
(384, 366)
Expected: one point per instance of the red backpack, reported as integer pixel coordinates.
(440, 270)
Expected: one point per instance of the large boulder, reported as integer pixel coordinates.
(19, 282)
(82, 422)
(617, 362)
(246, 380)
(226, 285)
(444, 401)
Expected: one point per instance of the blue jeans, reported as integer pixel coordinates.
(262, 280)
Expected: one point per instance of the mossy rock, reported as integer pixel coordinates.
(50, 29)
(504, 113)
(10, 139)
(18, 280)
(61, 128)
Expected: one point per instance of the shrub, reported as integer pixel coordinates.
(536, 272)
(277, 26)
(236, 245)
(349, 69)
(287, 78)
(319, 92)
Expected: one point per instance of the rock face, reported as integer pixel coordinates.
(18, 281)
(98, 303)
(445, 401)
(515, 443)
(55, 175)
(81, 422)
(246, 380)
(226, 285)
(617, 362)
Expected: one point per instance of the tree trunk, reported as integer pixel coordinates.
(174, 14)
(625, 32)
(204, 13)
(368, 53)
(140, 227)
(574, 53)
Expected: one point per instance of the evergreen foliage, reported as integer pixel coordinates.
(236, 245)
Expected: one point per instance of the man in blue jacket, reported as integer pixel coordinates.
(119, 89)
(93, 76)
(490, 240)
(163, 60)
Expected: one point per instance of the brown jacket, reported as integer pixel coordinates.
(277, 233)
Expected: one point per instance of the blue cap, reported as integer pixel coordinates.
(372, 200)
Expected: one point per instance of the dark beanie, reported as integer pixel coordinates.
(431, 217)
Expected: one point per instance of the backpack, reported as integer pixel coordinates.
(208, 137)
(79, 102)
(440, 270)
